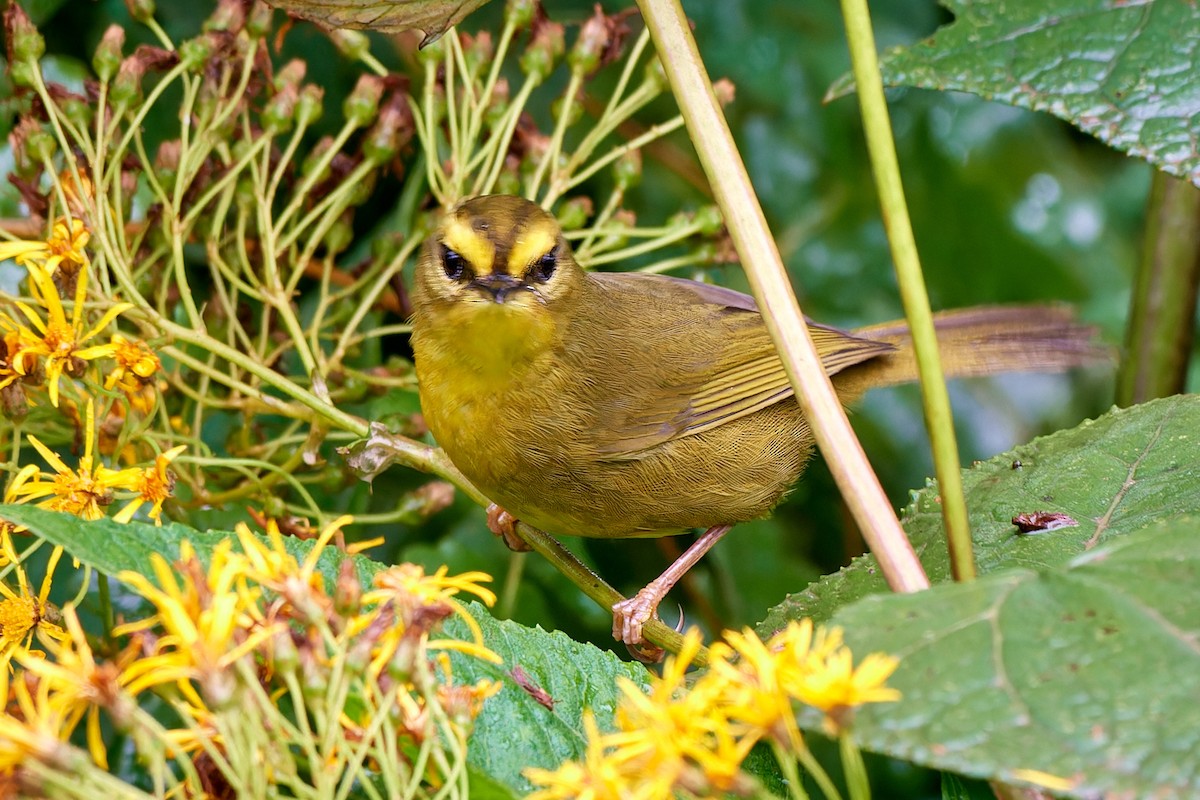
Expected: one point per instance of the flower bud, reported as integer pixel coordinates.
(314, 158)
(627, 170)
(574, 213)
(141, 10)
(574, 109)
(338, 237)
(309, 106)
(352, 44)
(24, 41)
(258, 23)
(497, 108)
(78, 111)
(107, 59)
(709, 219)
(543, 51)
(40, 145)
(520, 13)
(392, 130)
(479, 50)
(362, 105)
(23, 73)
(277, 113)
(594, 38)
(196, 51)
(290, 75)
(230, 16)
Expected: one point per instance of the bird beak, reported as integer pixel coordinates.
(498, 285)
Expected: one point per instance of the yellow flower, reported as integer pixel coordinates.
(271, 566)
(694, 739)
(23, 614)
(15, 363)
(420, 601)
(210, 619)
(136, 365)
(751, 674)
(64, 246)
(152, 484)
(836, 687)
(84, 491)
(59, 340)
(30, 727)
(597, 778)
(76, 685)
(802, 663)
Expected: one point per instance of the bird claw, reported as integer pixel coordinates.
(504, 525)
(629, 616)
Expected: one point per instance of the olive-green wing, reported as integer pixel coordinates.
(738, 375)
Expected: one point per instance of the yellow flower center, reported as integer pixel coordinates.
(59, 339)
(18, 616)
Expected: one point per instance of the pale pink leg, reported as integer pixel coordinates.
(630, 615)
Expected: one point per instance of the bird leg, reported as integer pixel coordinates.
(630, 615)
(504, 525)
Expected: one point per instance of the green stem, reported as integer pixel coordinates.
(335, 416)
(885, 165)
(512, 583)
(818, 773)
(106, 606)
(764, 269)
(1158, 343)
(854, 768)
(791, 775)
(550, 158)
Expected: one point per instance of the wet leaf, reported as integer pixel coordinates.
(1125, 72)
(1078, 679)
(549, 680)
(1114, 475)
(432, 17)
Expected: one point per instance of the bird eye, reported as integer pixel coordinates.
(543, 269)
(453, 264)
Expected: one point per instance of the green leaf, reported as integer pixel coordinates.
(1114, 475)
(1081, 680)
(432, 17)
(1124, 72)
(956, 787)
(110, 547)
(513, 732)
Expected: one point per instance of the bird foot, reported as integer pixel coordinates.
(630, 615)
(504, 525)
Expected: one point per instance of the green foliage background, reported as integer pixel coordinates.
(1008, 206)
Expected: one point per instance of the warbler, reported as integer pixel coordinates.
(620, 405)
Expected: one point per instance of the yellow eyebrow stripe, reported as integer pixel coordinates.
(533, 243)
(466, 241)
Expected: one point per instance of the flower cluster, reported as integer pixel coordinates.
(50, 344)
(692, 740)
(260, 664)
(54, 353)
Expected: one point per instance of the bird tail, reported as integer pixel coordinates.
(985, 340)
